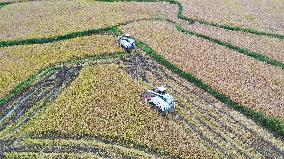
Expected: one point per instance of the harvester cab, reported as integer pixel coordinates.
(161, 100)
(126, 42)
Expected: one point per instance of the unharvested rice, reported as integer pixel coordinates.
(46, 18)
(267, 46)
(263, 15)
(19, 62)
(246, 80)
(105, 100)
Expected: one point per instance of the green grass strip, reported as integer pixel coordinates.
(191, 20)
(57, 38)
(180, 16)
(244, 51)
(76, 60)
(107, 30)
(3, 4)
(270, 123)
(25, 84)
(247, 30)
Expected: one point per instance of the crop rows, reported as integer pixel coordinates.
(201, 113)
(106, 100)
(270, 47)
(198, 113)
(103, 100)
(49, 18)
(20, 62)
(93, 147)
(244, 80)
(261, 15)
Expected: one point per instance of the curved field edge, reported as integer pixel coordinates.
(271, 123)
(113, 149)
(27, 83)
(247, 52)
(114, 30)
(191, 20)
(3, 5)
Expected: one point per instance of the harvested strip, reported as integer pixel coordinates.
(271, 47)
(262, 15)
(51, 155)
(112, 149)
(105, 100)
(245, 80)
(47, 18)
(209, 120)
(44, 91)
(20, 62)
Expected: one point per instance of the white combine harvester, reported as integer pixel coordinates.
(164, 102)
(126, 42)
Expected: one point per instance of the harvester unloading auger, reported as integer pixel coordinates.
(161, 100)
(126, 42)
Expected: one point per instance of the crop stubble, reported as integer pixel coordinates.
(105, 100)
(245, 80)
(20, 62)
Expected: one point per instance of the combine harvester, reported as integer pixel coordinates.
(126, 42)
(158, 98)
(161, 100)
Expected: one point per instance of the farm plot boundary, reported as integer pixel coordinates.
(189, 20)
(114, 30)
(271, 123)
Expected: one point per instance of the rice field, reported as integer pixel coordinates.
(245, 80)
(68, 90)
(261, 15)
(37, 19)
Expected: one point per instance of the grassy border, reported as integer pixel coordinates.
(75, 60)
(191, 20)
(259, 57)
(108, 30)
(271, 123)
(247, 30)
(3, 4)
(89, 32)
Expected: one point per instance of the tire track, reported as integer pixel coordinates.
(257, 142)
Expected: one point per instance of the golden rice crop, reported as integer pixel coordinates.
(104, 100)
(11, 155)
(271, 47)
(245, 80)
(20, 62)
(46, 18)
(261, 15)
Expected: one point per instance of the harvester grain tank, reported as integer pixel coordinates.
(160, 99)
(126, 42)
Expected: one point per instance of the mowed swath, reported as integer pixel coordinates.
(104, 100)
(87, 99)
(245, 80)
(212, 126)
(46, 18)
(261, 15)
(20, 62)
